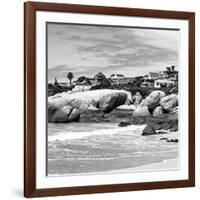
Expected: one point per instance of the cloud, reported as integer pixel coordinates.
(89, 49)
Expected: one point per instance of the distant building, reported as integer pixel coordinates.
(148, 83)
(155, 76)
(159, 83)
(173, 75)
(99, 78)
(120, 79)
(152, 76)
(101, 81)
(117, 79)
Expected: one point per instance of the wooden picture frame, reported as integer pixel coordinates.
(30, 77)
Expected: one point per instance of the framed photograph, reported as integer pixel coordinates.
(109, 99)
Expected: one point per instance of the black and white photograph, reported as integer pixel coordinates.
(112, 99)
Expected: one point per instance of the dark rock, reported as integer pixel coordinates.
(164, 138)
(115, 116)
(92, 116)
(74, 115)
(174, 128)
(169, 102)
(157, 111)
(124, 124)
(61, 115)
(172, 140)
(148, 130)
(164, 122)
(51, 110)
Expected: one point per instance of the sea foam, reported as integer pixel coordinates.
(70, 135)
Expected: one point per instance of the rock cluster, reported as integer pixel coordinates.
(158, 110)
(68, 107)
(155, 125)
(155, 104)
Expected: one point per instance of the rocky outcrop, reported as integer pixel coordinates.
(158, 111)
(109, 102)
(67, 107)
(155, 125)
(153, 98)
(169, 102)
(155, 104)
(170, 139)
(124, 124)
(148, 105)
(141, 111)
(95, 116)
(148, 130)
(64, 114)
(115, 116)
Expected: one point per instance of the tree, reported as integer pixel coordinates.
(81, 79)
(55, 82)
(172, 68)
(70, 76)
(169, 70)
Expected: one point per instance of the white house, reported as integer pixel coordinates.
(120, 79)
(163, 83)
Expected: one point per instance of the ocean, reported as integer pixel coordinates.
(78, 148)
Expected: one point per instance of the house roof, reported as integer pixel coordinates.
(99, 75)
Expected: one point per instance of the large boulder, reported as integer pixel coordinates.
(124, 124)
(105, 100)
(111, 101)
(141, 111)
(79, 104)
(88, 97)
(74, 115)
(64, 114)
(157, 111)
(149, 130)
(153, 98)
(169, 102)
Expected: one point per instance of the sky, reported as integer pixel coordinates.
(86, 50)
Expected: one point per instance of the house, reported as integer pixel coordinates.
(101, 80)
(173, 75)
(117, 79)
(152, 76)
(155, 75)
(120, 79)
(159, 83)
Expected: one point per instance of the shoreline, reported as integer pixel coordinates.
(165, 165)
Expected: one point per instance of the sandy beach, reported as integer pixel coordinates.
(166, 165)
